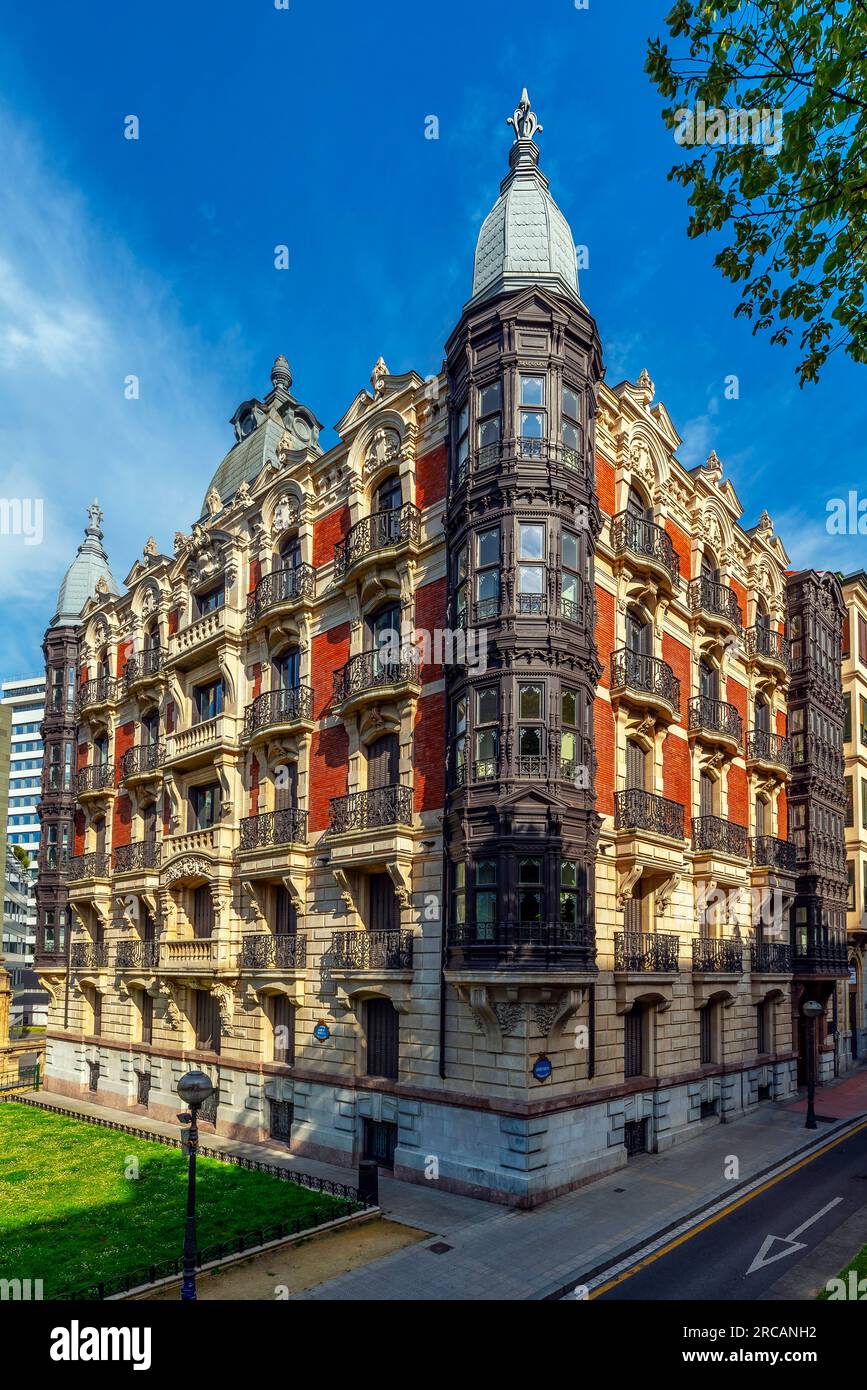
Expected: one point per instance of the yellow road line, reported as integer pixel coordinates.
(733, 1206)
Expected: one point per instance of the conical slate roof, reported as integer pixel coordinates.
(525, 239)
(80, 581)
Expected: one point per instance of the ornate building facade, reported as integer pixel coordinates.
(432, 795)
(852, 1006)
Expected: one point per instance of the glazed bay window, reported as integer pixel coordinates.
(574, 720)
(204, 806)
(531, 894)
(531, 731)
(531, 567)
(488, 574)
(460, 733)
(212, 600)
(570, 561)
(532, 422)
(571, 904)
(486, 899)
(461, 563)
(459, 894)
(490, 426)
(487, 733)
(207, 700)
(847, 718)
(796, 730)
(570, 430)
(462, 444)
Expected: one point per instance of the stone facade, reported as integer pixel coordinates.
(501, 902)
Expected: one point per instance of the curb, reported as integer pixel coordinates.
(553, 1292)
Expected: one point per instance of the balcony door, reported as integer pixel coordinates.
(709, 568)
(639, 647)
(636, 766)
(207, 1021)
(203, 911)
(383, 638)
(761, 809)
(634, 909)
(383, 1037)
(707, 788)
(383, 757)
(99, 829)
(290, 553)
(382, 914)
(388, 495)
(763, 620)
(283, 917)
(762, 717)
(708, 680)
(287, 670)
(637, 509)
(286, 788)
(149, 822)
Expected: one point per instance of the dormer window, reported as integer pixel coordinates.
(247, 424)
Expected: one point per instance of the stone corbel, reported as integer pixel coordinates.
(626, 881)
(174, 1017)
(567, 1005)
(249, 887)
(399, 873)
(665, 892)
(478, 1001)
(46, 982)
(128, 913)
(295, 886)
(347, 893)
(225, 997)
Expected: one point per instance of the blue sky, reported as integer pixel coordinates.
(305, 126)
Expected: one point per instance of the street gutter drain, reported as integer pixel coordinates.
(440, 1248)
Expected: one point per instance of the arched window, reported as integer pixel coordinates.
(287, 670)
(709, 567)
(637, 507)
(639, 633)
(290, 552)
(383, 635)
(763, 617)
(388, 494)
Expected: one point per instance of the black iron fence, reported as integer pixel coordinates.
(715, 833)
(715, 716)
(370, 671)
(372, 950)
(709, 596)
(142, 955)
(635, 671)
(527, 945)
(640, 810)
(139, 854)
(712, 955)
(771, 957)
(371, 810)
(278, 707)
(268, 952)
(761, 641)
(95, 778)
(287, 827)
(143, 758)
(88, 955)
(91, 865)
(768, 851)
(763, 746)
(646, 951)
(148, 663)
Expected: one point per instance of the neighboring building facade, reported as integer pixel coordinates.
(513, 895)
(817, 800)
(19, 936)
(852, 1008)
(24, 699)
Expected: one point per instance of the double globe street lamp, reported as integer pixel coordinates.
(194, 1089)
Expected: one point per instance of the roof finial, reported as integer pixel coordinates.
(524, 122)
(95, 519)
(281, 376)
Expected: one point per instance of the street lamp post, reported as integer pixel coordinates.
(811, 1010)
(194, 1089)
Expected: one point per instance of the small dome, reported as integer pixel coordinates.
(80, 581)
(525, 239)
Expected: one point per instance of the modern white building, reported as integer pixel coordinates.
(26, 697)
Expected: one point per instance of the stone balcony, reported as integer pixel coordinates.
(715, 605)
(370, 677)
(720, 849)
(360, 960)
(199, 955)
(200, 639)
(280, 593)
(771, 958)
(646, 548)
(84, 867)
(142, 763)
(767, 752)
(645, 682)
(273, 844)
(372, 827)
(192, 747)
(277, 712)
(767, 649)
(715, 722)
(378, 539)
(646, 964)
(139, 857)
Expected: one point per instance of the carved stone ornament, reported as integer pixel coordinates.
(378, 377)
(188, 866)
(382, 449)
(213, 502)
(225, 998)
(181, 542)
(641, 461)
(286, 445)
(713, 466)
(645, 384)
(102, 585)
(286, 513)
(173, 1013)
(524, 122)
(150, 551)
(243, 493)
(509, 1017)
(766, 526)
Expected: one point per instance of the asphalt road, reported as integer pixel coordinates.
(803, 1208)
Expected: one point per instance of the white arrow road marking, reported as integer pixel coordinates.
(790, 1241)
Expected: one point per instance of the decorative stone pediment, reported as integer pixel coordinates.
(188, 866)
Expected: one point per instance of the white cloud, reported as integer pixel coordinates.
(78, 314)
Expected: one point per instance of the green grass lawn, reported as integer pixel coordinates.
(70, 1216)
(859, 1264)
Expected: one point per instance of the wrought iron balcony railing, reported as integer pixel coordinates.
(98, 777)
(646, 951)
(640, 810)
(771, 957)
(529, 447)
(771, 853)
(143, 758)
(88, 955)
(763, 642)
(712, 956)
(715, 833)
(372, 950)
(371, 810)
(140, 854)
(278, 707)
(147, 663)
(371, 671)
(287, 951)
(137, 955)
(522, 945)
(647, 674)
(92, 865)
(717, 717)
(822, 957)
(708, 596)
(98, 691)
(287, 827)
(282, 586)
(531, 765)
(381, 531)
(646, 539)
(766, 747)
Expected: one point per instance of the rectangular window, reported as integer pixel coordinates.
(531, 738)
(705, 1023)
(208, 603)
(382, 1038)
(864, 803)
(761, 1040)
(461, 574)
(459, 894)
(487, 574)
(850, 873)
(850, 812)
(571, 914)
(532, 422)
(208, 700)
(281, 1013)
(462, 443)
(531, 568)
(486, 899)
(862, 640)
(570, 560)
(862, 720)
(531, 893)
(486, 745)
(633, 1042)
(490, 416)
(572, 435)
(460, 733)
(204, 807)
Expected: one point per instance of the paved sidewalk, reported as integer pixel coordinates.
(501, 1253)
